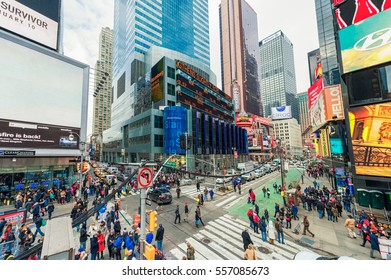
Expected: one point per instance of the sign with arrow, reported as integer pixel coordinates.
(145, 177)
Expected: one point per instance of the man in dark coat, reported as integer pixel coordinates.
(177, 215)
(83, 236)
(117, 227)
(110, 244)
(246, 239)
(159, 237)
(94, 246)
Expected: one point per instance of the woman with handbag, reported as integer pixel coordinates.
(250, 253)
(197, 219)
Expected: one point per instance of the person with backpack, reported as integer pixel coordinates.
(280, 230)
(118, 246)
(38, 224)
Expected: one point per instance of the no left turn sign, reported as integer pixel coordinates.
(145, 177)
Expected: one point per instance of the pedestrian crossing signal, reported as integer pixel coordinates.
(152, 221)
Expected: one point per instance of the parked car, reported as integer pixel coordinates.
(185, 182)
(247, 177)
(223, 180)
(160, 196)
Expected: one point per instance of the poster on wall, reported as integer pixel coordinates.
(314, 92)
(370, 128)
(366, 44)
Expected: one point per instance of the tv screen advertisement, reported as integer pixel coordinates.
(41, 108)
(366, 44)
(280, 113)
(336, 146)
(370, 129)
(36, 20)
(175, 125)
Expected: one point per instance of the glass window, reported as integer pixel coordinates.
(158, 122)
(170, 89)
(170, 72)
(158, 140)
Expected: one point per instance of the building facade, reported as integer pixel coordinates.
(239, 55)
(289, 132)
(103, 95)
(327, 44)
(277, 73)
(304, 120)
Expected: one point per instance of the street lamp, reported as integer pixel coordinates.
(71, 137)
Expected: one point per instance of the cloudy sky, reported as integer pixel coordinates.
(84, 18)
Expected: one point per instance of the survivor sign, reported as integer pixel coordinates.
(16, 134)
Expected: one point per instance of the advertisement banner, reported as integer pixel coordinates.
(157, 81)
(280, 113)
(14, 216)
(15, 134)
(175, 125)
(366, 44)
(313, 65)
(336, 146)
(370, 128)
(333, 102)
(37, 20)
(318, 111)
(314, 91)
(351, 12)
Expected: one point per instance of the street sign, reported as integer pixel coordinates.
(171, 164)
(145, 177)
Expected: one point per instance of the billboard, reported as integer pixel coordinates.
(175, 124)
(36, 20)
(314, 91)
(333, 102)
(39, 105)
(370, 128)
(318, 112)
(280, 113)
(366, 44)
(314, 65)
(351, 12)
(157, 81)
(336, 146)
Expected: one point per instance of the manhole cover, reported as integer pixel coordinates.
(263, 250)
(206, 240)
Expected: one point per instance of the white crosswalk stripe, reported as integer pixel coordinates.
(221, 240)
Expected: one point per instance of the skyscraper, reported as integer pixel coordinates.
(328, 51)
(103, 98)
(181, 26)
(239, 55)
(277, 73)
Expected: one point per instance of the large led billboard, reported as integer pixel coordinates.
(157, 81)
(280, 113)
(366, 44)
(44, 97)
(36, 20)
(314, 92)
(175, 125)
(370, 128)
(314, 65)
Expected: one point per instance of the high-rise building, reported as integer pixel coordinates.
(328, 50)
(277, 73)
(181, 26)
(103, 96)
(288, 131)
(239, 55)
(304, 119)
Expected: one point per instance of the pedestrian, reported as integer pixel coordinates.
(306, 224)
(373, 238)
(50, 210)
(178, 192)
(250, 253)
(268, 193)
(295, 210)
(190, 252)
(211, 193)
(256, 222)
(334, 211)
(83, 236)
(94, 246)
(159, 237)
(252, 196)
(177, 215)
(110, 244)
(288, 218)
(264, 191)
(271, 232)
(198, 210)
(201, 200)
(246, 238)
(349, 224)
(280, 230)
(365, 233)
(240, 187)
(275, 187)
(198, 186)
(205, 194)
(186, 219)
(101, 245)
(276, 209)
(266, 214)
(263, 227)
(117, 227)
(256, 209)
(250, 214)
(38, 224)
(118, 246)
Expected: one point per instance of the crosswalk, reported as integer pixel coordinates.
(221, 240)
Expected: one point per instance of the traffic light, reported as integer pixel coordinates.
(183, 142)
(78, 166)
(149, 251)
(136, 220)
(152, 221)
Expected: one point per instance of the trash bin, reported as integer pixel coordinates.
(364, 197)
(387, 198)
(377, 199)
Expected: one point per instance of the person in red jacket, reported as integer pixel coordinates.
(250, 214)
(101, 245)
(256, 222)
(252, 196)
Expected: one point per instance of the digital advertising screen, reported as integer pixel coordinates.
(175, 125)
(157, 81)
(336, 146)
(370, 128)
(366, 44)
